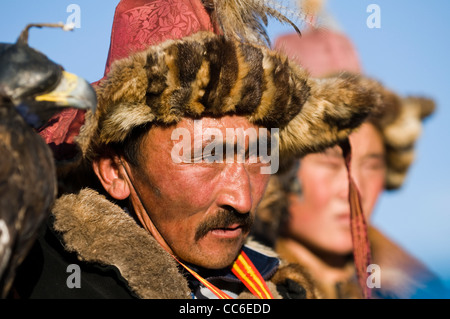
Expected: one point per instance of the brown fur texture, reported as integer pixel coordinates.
(299, 274)
(336, 106)
(208, 75)
(99, 231)
(400, 132)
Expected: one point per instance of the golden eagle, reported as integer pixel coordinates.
(32, 89)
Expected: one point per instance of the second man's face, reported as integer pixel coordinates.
(320, 216)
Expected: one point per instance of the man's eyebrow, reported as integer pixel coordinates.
(252, 145)
(255, 144)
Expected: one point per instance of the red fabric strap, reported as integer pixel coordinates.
(360, 239)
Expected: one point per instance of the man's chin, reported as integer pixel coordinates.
(218, 262)
(217, 253)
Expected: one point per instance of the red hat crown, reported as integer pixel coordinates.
(141, 23)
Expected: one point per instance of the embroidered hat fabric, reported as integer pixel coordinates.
(141, 23)
(136, 25)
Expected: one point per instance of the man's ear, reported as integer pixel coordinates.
(109, 172)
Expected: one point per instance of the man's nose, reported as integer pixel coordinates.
(344, 180)
(235, 191)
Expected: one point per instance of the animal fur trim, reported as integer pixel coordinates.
(209, 75)
(400, 136)
(101, 232)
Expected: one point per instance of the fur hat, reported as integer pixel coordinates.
(208, 74)
(400, 122)
(189, 58)
(218, 73)
(180, 58)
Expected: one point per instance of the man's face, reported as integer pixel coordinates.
(202, 210)
(321, 215)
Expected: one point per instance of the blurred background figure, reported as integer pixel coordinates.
(314, 226)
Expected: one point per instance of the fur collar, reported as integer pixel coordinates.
(99, 231)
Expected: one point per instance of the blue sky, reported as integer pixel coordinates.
(409, 54)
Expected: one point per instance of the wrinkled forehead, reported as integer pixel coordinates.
(205, 127)
(230, 122)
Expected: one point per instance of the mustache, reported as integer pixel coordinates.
(224, 219)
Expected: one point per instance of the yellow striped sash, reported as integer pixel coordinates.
(245, 270)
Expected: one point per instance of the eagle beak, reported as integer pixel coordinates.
(71, 92)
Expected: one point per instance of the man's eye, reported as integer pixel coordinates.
(333, 164)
